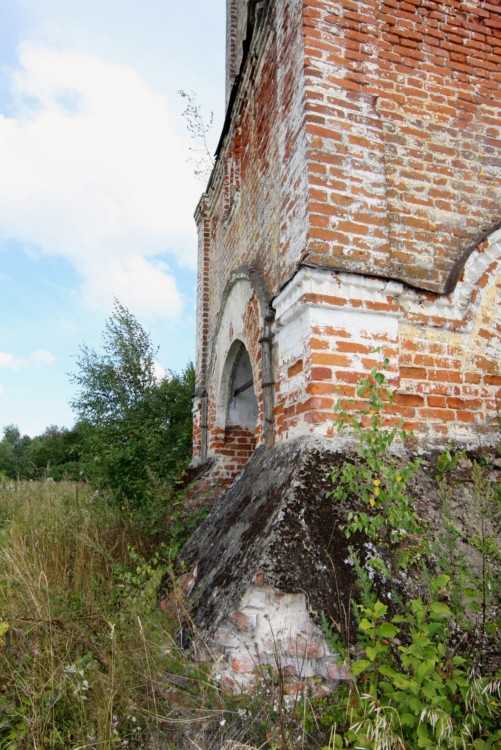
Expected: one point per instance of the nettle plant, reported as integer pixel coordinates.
(418, 691)
(379, 480)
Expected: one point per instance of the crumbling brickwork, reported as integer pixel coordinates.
(402, 115)
(355, 205)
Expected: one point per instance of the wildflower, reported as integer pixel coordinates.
(398, 477)
(372, 502)
(376, 482)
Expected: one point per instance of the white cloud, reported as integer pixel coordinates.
(158, 371)
(141, 284)
(93, 171)
(42, 357)
(8, 361)
(38, 358)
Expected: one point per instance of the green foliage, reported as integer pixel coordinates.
(135, 429)
(88, 661)
(420, 693)
(366, 594)
(333, 637)
(486, 584)
(421, 679)
(475, 586)
(139, 578)
(447, 461)
(53, 454)
(379, 480)
(113, 383)
(14, 453)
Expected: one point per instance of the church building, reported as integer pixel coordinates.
(353, 216)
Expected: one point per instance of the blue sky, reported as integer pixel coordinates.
(97, 191)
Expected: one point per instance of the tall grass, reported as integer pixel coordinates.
(86, 658)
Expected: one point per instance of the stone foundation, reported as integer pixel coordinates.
(272, 560)
(272, 629)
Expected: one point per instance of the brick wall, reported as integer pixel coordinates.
(444, 352)
(254, 212)
(402, 105)
(254, 209)
(358, 171)
(236, 28)
(237, 445)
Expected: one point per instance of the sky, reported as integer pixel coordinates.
(97, 184)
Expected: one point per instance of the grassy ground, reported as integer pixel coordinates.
(85, 658)
(88, 661)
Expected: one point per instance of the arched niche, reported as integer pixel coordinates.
(237, 329)
(242, 408)
(240, 356)
(462, 263)
(466, 324)
(236, 437)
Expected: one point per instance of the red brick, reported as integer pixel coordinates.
(319, 343)
(296, 368)
(353, 347)
(442, 414)
(413, 373)
(321, 373)
(322, 388)
(408, 399)
(324, 358)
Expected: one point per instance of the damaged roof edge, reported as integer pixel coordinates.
(255, 6)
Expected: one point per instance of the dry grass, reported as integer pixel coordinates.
(87, 660)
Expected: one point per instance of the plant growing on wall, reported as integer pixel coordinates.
(198, 128)
(379, 479)
(421, 679)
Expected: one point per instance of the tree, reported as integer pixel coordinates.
(134, 427)
(170, 409)
(55, 453)
(14, 453)
(115, 382)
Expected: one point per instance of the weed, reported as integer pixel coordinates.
(417, 682)
(379, 480)
(421, 691)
